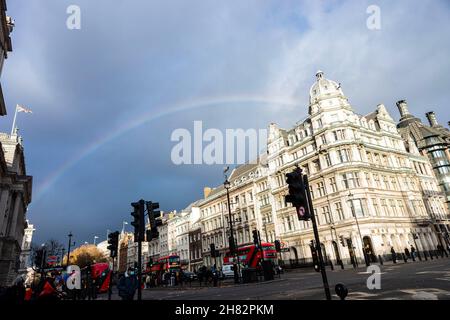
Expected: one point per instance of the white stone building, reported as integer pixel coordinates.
(360, 173)
(373, 189)
(25, 254)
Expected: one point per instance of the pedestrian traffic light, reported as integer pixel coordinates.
(297, 194)
(139, 220)
(153, 214)
(315, 258)
(256, 239)
(278, 245)
(113, 243)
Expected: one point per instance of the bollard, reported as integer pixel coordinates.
(418, 255)
(404, 258)
(341, 291)
(431, 254)
(342, 264)
(425, 255)
(380, 259)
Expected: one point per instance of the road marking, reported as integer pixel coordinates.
(444, 279)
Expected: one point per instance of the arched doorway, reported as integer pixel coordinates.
(368, 249)
(293, 258)
(336, 252)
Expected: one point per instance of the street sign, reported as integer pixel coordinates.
(52, 259)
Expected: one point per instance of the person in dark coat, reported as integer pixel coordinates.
(394, 255)
(413, 251)
(127, 285)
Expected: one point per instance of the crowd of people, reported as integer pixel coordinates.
(47, 286)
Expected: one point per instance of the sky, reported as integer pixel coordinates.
(107, 97)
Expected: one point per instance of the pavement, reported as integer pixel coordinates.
(426, 280)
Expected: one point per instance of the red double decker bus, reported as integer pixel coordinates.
(250, 256)
(169, 263)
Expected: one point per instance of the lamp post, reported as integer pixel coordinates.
(70, 235)
(232, 242)
(95, 239)
(350, 196)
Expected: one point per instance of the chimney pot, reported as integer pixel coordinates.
(431, 116)
(402, 106)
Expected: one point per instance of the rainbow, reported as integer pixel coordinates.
(147, 117)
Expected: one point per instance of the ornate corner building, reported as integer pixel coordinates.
(376, 185)
(15, 184)
(371, 189)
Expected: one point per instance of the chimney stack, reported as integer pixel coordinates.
(431, 116)
(402, 106)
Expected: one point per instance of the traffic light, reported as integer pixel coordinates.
(256, 239)
(139, 220)
(232, 244)
(297, 194)
(278, 245)
(38, 258)
(113, 243)
(315, 257)
(212, 246)
(153, 214)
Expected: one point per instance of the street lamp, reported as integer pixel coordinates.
(232, 243)
(70, 235)
(95, 239)
(350, 196)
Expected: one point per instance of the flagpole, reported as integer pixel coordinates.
(14, 121)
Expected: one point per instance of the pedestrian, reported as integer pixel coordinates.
(128, 285)
(413, 251)
(394, 255)
(407, 253)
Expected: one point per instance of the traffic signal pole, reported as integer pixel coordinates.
(140, 269)
(316, 236)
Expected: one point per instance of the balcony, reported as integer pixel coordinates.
(432, 193)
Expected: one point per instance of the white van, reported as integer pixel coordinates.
(228, 271)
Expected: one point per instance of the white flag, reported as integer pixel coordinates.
(23, 109)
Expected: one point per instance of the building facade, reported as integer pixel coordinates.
(376, 185)
(15, 184)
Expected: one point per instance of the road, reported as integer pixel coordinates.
(427, 280)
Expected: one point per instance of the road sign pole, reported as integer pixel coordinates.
(316, 236)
